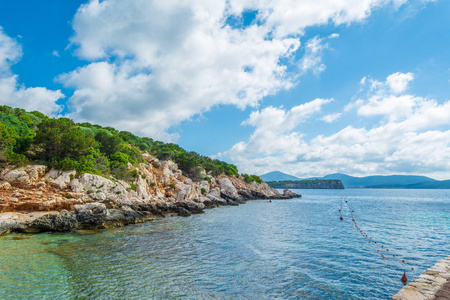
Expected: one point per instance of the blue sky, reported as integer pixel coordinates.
(305, 87)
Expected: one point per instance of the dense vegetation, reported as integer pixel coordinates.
(66, 145)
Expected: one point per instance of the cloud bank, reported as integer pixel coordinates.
(154, 64)
(410, 134)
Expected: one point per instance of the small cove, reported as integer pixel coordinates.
(285, 249)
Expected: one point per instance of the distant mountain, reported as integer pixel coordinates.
(278, 176)
(390, 181)
(379, 181)
(444, 184)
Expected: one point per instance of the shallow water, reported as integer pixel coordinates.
(285, 249)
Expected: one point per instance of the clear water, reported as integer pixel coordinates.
(287, 249)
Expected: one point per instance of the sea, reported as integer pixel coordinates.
(284, 249)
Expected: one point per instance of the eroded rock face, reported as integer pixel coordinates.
(227, 189)
(60, 179)
(66, 201)
(24, 177)
(63, 221)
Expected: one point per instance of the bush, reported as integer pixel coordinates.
(84, 147)
(203, 191)
(89, 192)
(252, 178)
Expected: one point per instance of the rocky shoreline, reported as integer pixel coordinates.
(35, 199)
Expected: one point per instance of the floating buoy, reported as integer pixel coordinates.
(375, 242)
(378, 250)
(341, 218)
(403, 260)
(404, 279)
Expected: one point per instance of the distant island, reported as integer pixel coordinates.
(307, 184)
(373, 182)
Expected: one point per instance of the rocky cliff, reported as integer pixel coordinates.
(34, 198)
(307, 184)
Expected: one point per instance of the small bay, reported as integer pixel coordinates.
(286, 249)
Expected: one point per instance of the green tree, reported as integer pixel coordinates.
(60, 138)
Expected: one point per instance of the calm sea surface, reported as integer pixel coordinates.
(287, 249)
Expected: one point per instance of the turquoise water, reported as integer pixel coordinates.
(287, 249)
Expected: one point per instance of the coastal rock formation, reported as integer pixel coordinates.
(34, 199)
(307, 184)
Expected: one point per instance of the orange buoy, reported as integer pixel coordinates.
(375, 242)
(403, 260)
(378, 250)
(387, 249)
(341, 218)
(404, 279)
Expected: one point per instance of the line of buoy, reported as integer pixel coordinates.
(404, 278)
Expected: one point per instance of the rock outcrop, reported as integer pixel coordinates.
(34, 198)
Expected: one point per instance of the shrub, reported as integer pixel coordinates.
(132, 187)
(172, 185)
(203, 191)
(118, 192)
(156, 165)
(152, 184)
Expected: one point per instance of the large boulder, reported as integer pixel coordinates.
(25, 177)
(227, 189)
(60, 179)
(90, 213)
(290, 194)
(63, 221)
(191, 206)
(214, 196)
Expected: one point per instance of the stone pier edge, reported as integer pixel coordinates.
(427, 284)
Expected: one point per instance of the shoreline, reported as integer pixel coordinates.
(434, 283)
(35, 199)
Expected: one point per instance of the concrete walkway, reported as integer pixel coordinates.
(434, 283)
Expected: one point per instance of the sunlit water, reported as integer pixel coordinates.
(287, 249)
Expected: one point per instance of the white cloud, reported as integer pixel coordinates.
(14, 94)
(312, 60)
(398, 82)
(331, 117)
(166, 61)
(274, 130)
(413, 136)
(56, 53)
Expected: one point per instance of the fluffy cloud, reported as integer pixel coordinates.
(157, 63)
(411, 135)
(274, 130)
(331, 117)
(14, 94)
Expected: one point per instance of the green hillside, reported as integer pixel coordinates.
(84, 147)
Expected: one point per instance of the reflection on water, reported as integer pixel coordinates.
(285, 249)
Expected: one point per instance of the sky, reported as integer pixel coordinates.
(306, 87)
